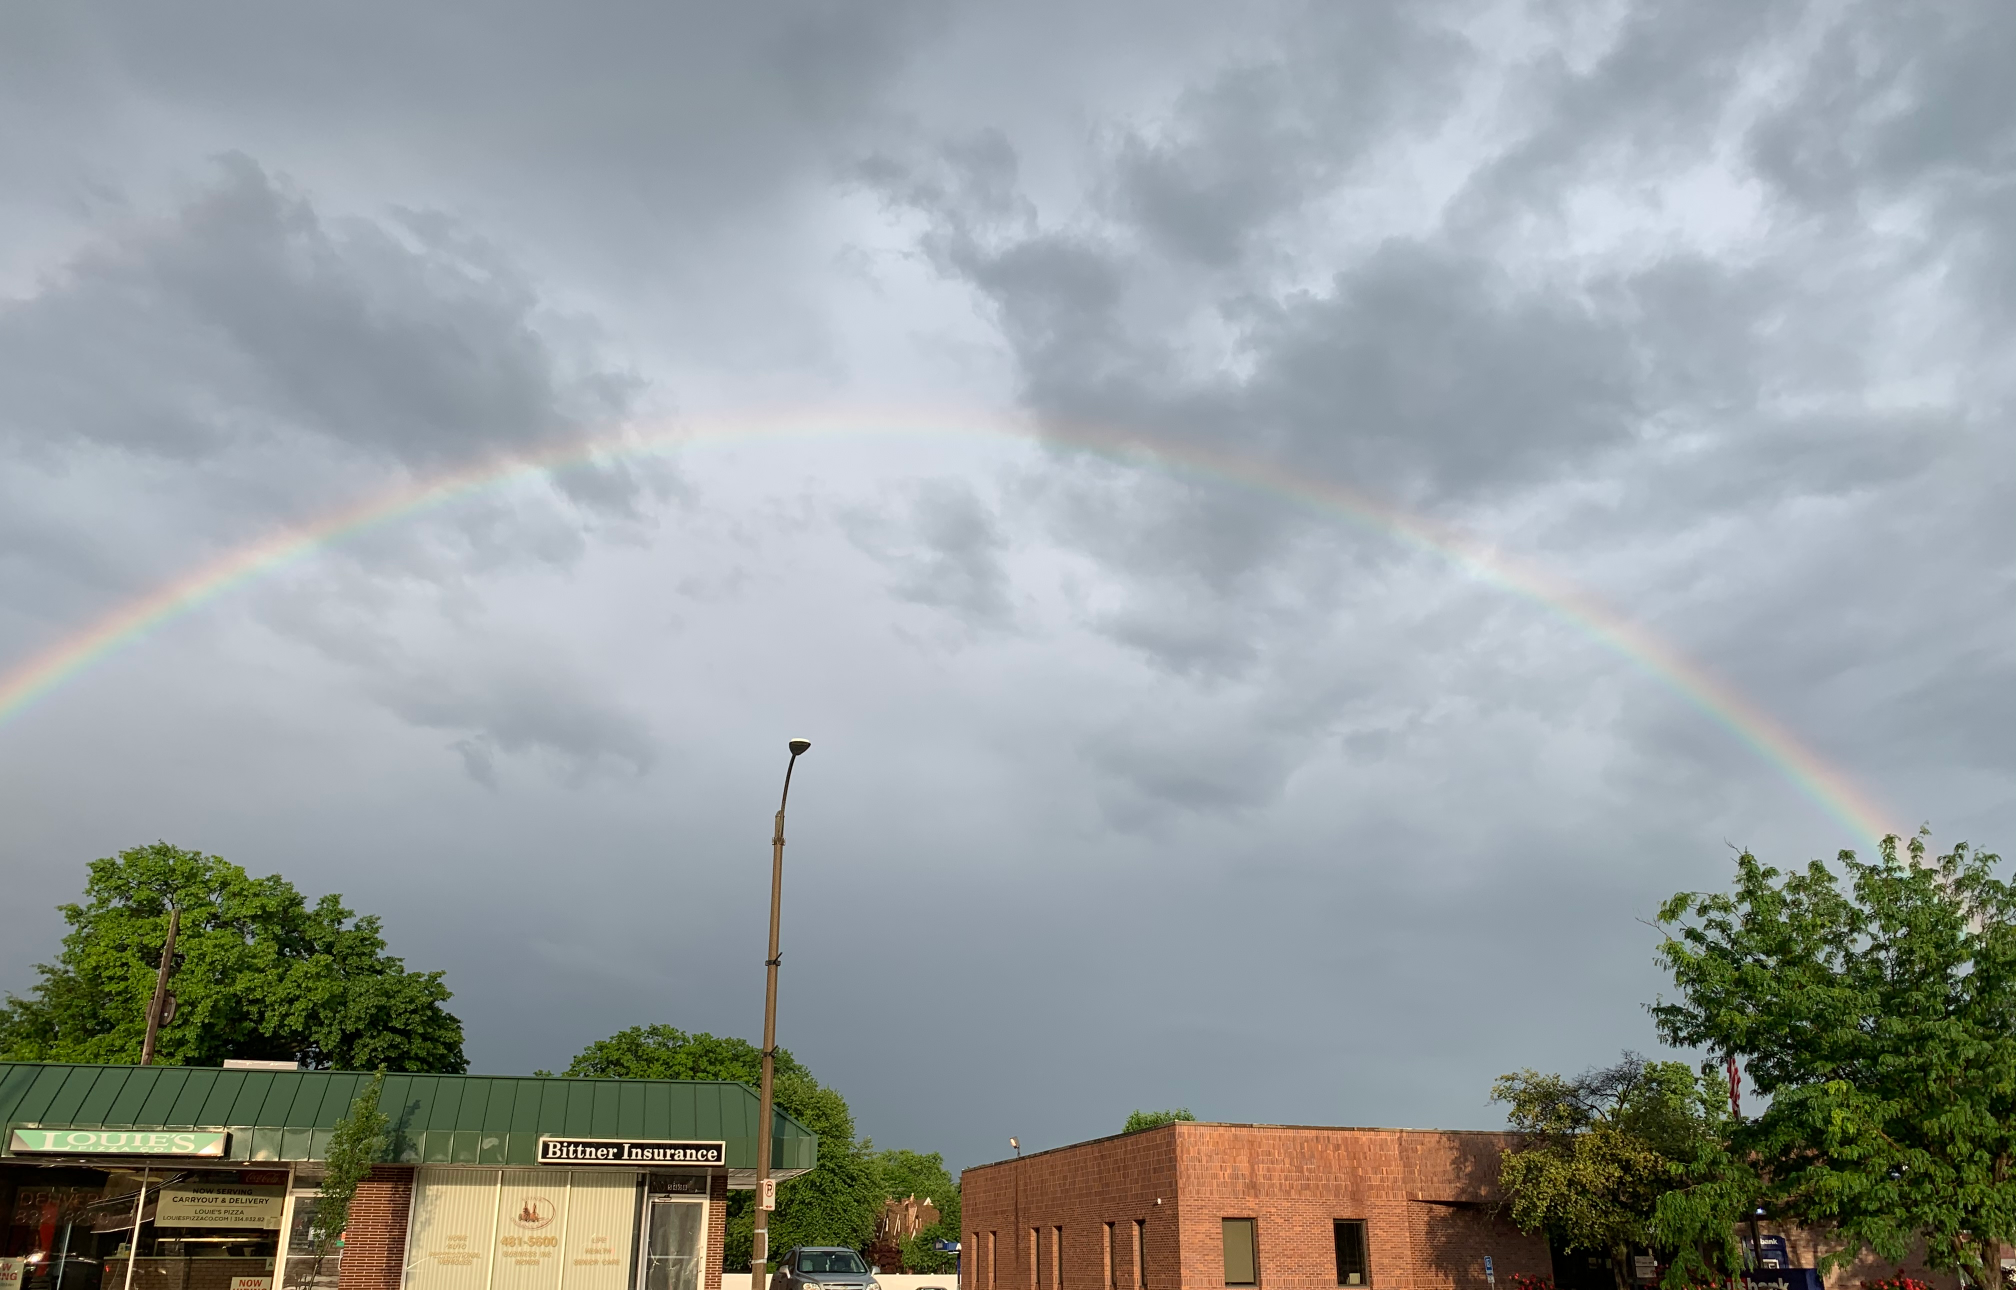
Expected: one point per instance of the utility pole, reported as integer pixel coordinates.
(1736, 1113)
(160, 1003)
(766, 1191)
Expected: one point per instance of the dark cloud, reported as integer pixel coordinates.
(1265, 137)
(615, 115)
(246, 317)
(533, 708)
(1702, 308)
(272, 362)
(945, 547)
(1645, 99)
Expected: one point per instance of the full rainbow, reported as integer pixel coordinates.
(25, 683)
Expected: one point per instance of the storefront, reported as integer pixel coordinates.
(193, 1178)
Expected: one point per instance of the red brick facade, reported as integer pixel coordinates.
(1425, 1198)
(374, 1245)
(717, 1231)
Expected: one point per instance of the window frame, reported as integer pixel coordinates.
(1252, 1229)
(1337, 1228)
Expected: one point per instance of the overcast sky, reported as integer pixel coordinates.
(1130, 787)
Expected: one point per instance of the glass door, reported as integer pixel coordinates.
(675, 1243)
(310, 1257)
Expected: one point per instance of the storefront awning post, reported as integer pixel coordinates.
(139, 1208)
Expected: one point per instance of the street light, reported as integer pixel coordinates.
(766, 1195)
(1017, 1144)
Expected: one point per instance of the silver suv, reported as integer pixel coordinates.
(823, 1267)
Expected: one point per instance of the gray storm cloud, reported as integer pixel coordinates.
(1121, 775)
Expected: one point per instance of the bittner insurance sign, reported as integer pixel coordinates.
(118, 1142)
(621, 1151)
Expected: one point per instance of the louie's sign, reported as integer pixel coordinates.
(118, 1142)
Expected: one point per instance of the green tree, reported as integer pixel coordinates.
(665, 1052)
(1597, 1153)
(1879, 1018)
(913, 1173)
(262, 973)
(1141, 1121)
(835, 1204)
(357, 1143)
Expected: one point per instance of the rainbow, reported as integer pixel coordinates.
(38, 676)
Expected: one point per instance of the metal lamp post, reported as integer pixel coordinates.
(766, 1194)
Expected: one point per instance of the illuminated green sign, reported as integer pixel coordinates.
(119, 1142)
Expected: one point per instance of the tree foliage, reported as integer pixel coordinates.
(835, 1204)
(357, 1144)
(1141, 1121)
(262, 973)
(1879, 1018)
(1597, 1154)
(666, 1052)
(914, 1173)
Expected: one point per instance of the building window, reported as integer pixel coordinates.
(1140, 1254)
(990, 1260)
(1242, 1263)
(313, 1260)
(1057, 1258)
(1036, 1256)
(545, 1229)
(1106, 1262)
(63, 1227)
(1351, 1269)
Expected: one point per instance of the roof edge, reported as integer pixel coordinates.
(1174, 1125)
(332, 1070)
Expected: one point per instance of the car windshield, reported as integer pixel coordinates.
(831, 1261)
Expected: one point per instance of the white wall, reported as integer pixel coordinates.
(889, 1280)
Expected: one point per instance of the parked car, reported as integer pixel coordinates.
(823, 1267)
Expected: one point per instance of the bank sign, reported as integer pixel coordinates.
(117, 1142)
(628, 1151)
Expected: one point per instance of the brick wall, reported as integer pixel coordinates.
(1080, 1189)
(1808, 1247)
(374, 1245)
(717, 1231)
(1425, 1198)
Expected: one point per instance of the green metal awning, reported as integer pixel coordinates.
(283, 1116)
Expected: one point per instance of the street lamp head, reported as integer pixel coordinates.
(799, 745)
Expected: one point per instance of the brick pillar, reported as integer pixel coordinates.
(717, 1235)
(374, 1245)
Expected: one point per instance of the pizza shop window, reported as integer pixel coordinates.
(198, 1229)
(1350, 1237)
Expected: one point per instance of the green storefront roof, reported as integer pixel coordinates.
(436, 1119)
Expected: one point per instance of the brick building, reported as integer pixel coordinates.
(1190, 1206)
(1193, 1206)
(199, 1178)
(898, 1221)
